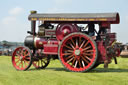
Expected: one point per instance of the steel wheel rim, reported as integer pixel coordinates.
(78, 60)
(21, 58)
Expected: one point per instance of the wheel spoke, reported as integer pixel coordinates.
(22, 52)
(69, 57)
(86, 48)
(83, 64)
(77, 43)
(76, 63)
(84, 59)
(43, 61)
(66, 54)
(26, 61)
(86, 44)
(70, 60)
(17, 61)
(72, 46)
(89, 51)
(87, 58)
(18, 54)
(88, 54)
(73, 61)
(67, 47)
(82, 44)
(17, 57)
(19, 64)
(70, 51)
(26, 54)
(79, 63)
(73, 42)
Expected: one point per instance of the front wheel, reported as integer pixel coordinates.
(22, 58)
(78, 52)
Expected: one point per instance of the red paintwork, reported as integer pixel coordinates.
(50, 49)
(21, 59)
(39, 42)
(101, 51)
(50, 46)
(105, 24)
(112, 38)
(78, 58)
(63, 30)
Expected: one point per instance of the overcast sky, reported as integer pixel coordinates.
(14, 22)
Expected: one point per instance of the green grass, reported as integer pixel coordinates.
(55, 74)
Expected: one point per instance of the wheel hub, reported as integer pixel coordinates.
(21, 58)
(77, 52)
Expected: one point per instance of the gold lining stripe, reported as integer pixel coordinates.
(69, 19)
(91, 19)
(102, 19)
(33, 18)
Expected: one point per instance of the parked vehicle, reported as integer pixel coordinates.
(59, 35)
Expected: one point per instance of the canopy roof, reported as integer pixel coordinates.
(76, 17)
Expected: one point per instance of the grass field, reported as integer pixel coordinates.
(55, 74)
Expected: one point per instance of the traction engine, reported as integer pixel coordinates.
(61, 36)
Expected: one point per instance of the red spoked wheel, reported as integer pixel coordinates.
(41, 62)
(22, 58)
(78, 52)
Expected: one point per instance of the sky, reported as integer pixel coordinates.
(14, 22)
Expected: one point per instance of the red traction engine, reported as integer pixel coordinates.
(81, 41)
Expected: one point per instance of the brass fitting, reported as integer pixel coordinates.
(33, 12)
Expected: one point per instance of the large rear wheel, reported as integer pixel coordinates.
(78, 52)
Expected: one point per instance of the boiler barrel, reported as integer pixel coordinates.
(35, 42)
(29, 42)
